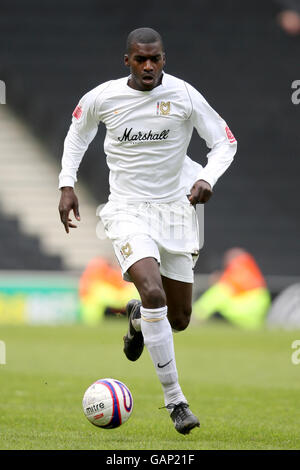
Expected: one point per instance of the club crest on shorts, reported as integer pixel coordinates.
(126, 250)
(163, 108)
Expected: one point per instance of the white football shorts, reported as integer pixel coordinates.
(168, 232)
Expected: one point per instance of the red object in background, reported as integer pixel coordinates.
(243, 274)
(99, 270)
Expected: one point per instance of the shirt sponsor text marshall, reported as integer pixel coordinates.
(129, 136)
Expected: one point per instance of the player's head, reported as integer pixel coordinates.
(143, 36)
(146, 58)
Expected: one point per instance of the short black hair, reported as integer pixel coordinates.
(143, 36)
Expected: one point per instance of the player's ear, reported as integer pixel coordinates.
(126, 60)
(164, 58)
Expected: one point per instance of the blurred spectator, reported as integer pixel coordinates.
(289, 17)
(103, 291)
(239, 293)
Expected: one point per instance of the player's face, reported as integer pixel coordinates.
(146, 62)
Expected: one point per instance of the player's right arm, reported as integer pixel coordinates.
(68, 201)
(81, 132)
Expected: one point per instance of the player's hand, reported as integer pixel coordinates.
(68, 201)
(200, 192)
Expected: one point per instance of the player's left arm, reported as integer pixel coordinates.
(201, 192)
(218, 137)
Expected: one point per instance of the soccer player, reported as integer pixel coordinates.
(150, 216)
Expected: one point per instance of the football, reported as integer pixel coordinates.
(107, 403)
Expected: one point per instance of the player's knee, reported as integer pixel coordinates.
(153, 296)
(181, 322)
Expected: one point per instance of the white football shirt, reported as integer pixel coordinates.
(147, 136)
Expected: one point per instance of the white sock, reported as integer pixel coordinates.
(158, 339)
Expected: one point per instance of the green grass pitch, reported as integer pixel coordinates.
(242, 385)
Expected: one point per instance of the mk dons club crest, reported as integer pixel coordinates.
(163, 108)
(126, 250)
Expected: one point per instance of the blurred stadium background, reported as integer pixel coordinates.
(52, 52)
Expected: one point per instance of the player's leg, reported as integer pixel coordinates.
(177, 279)
(158, 338)
(179, 301)
(155, 326)
(146, 277)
